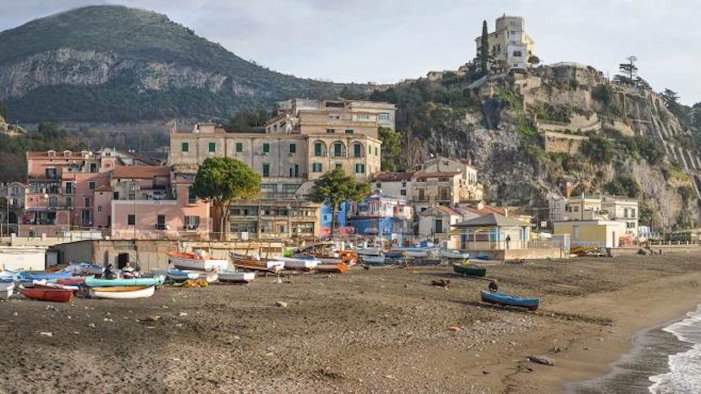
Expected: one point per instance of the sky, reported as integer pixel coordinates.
(385, 41)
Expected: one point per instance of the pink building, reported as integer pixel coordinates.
(150, 203)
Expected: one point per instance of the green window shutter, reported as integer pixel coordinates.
(212, 146)
(185, 147)
(239, 147)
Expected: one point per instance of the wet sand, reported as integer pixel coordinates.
(380, 330)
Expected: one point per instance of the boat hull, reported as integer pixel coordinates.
(469, 270)
(51, 295)
(336, 268)
(6, 290)
(374, 260)
(237, 276)
(368, 251)
(293, 263)
(506, 300)
(122, 292)
(190, 261)
(454, 254)
(251, 264)
(179, 275)
(94, 282)
(32, 276)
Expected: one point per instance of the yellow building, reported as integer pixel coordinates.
(594, 233)
(509, 43)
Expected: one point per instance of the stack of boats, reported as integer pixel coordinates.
(199, 265)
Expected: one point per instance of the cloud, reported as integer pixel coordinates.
(389, 40)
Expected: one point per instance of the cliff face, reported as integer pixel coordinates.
(530, 132)
(118, 64)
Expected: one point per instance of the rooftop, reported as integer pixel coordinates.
(388, 176)
(492, 220)
(441, 174)
(140, 172)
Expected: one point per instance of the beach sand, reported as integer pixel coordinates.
(380, 330)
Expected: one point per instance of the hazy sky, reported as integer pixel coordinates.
(385, 41)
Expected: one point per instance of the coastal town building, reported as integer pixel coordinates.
(592, 233)
(273, 219)
(494, 232)
(382, 215)
(12, 200)
(436, 224)
(508, 43)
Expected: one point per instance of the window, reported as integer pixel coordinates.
(192, 222)
(91, 185)
(383, 116)
(360, 168)
(316, 167)
(93, 167)
(191, 197)
(266, 148)
(331, 131)
(266, 170)
(212, 147)
(185, 147)
(338, 149)
(369, 150)
(239, 147)
(161, 222)
(293, 148)
(318, 149)
(357, 150)
(349, 131)
(517, 54)
(69, 201)
(377, 152)
(70, 188)
(363, 117)
(131, 220)
(53, 201)
(339, 166)
(402, 192)
(51, 173)
(87, 202)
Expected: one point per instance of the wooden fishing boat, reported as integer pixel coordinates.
(454, 254)
(506, 300)
(236, 276)
(94, 282)
(29, 276)
(198, 261)
(6, 290)
(46, 294)
(256, 264)
(370, 251)
(335, 268)
(296, 263)
(208, 276)
(469, 270)
(50, 285)
(179, 276)
(122, 292)
(374, 260)
(7, 276)
(78, 281)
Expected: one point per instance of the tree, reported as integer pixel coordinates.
(246, 120)
(484, 49)
(624, 186)
(336, 187)
(628, 71)
(220, 180)
(598, 149)
(534, 60)
(647, 214)
(391, 150)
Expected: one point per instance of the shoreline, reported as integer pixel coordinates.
(591, 356)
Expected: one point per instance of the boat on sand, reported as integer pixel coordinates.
(506, 300)
(6, 289)
(199, 260)
(46, 294)
(254, 263)
(94, 282)
(469, 270)
(122, 292)
(333, 268)
(236, 276)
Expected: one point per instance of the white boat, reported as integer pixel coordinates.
(52, 285)
(209, 276)
(292, 263)
(159, 272)
(197, 261)
(373, 259)
(178, 275)
(237, 276)
(122, 292)
(84, 269)
(6, 289)
(7, 276)
(454, 254)
(371, 251)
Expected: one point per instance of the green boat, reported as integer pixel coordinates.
(94, 282)
(469, 270)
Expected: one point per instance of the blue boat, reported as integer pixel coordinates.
(29, 276)
(94, 282)
(506, 300)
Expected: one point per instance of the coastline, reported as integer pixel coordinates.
(378, 330)
(593, 355)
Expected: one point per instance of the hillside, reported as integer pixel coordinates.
(118, 64)
(530, 132)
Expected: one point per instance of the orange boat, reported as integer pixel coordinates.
(337, 268)
(48, 294)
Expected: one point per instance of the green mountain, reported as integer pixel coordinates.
(119, 64)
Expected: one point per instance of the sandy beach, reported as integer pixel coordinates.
(378, 330)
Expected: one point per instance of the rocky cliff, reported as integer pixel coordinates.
(530, 132)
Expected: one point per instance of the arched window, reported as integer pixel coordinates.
(339, 149)
(358, 150)
(319, 149)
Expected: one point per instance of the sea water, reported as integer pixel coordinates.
(684, 374)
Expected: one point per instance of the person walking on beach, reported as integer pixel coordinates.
(508, 240)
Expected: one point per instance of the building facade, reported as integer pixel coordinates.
(382, 215)
(273, 219)
(597, 208)
(509, 43)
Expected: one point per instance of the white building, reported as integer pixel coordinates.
(509, 42)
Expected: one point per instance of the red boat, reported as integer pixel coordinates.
(48, 294)
(71, 281)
